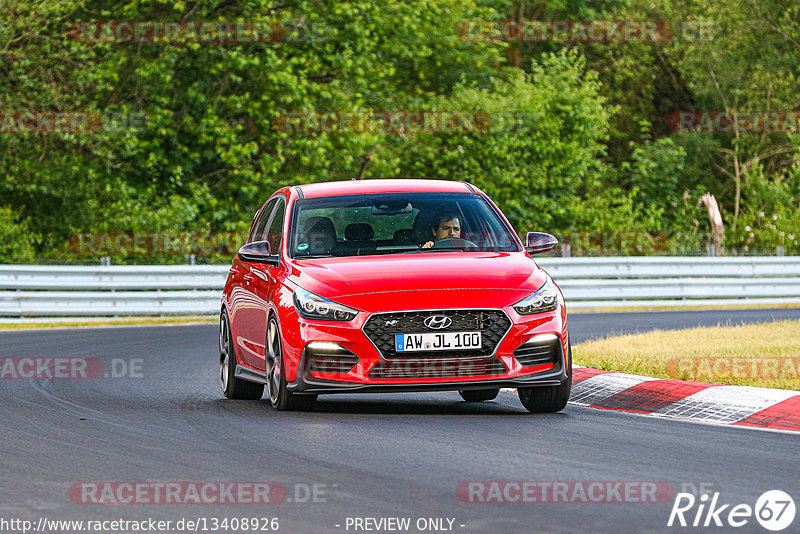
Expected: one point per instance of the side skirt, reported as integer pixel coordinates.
(251, 375)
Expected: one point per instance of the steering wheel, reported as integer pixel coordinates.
(455, 242)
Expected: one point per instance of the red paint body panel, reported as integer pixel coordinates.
(366, 187)
(475, 271)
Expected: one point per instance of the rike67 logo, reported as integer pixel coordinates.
(774, 510)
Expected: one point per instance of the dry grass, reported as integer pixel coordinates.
(698, 307)
(764, 355)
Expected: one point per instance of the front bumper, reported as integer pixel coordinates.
(315, 385)
(547, 374)
(374, 368)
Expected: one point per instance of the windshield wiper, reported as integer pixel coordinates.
(313, 256)
(440, 249)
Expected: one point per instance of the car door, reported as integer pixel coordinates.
(248, 311)
(264, 282)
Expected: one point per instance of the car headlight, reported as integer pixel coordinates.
(311, 306)
(542, 300)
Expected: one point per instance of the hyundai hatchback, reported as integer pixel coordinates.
(391, 285)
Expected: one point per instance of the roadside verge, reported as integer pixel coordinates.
(12, 324)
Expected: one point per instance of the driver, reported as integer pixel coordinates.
(443, 226)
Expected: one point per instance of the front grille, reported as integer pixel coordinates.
(535, 352)
(445, 368)
(381, 328)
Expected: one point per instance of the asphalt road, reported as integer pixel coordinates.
(370, 456)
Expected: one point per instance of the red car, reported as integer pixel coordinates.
(391, 285)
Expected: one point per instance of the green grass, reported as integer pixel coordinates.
(764, 355)
(633, 307)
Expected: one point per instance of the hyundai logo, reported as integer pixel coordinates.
(437, 322)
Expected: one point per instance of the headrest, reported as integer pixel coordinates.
(404, 236)
(319, 237)
(422, 226)
(358, 232)
(320, 225)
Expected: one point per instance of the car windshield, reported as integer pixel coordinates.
(397, 223)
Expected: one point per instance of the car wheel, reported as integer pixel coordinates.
(232, 387)
(279, 395)
(548, 399)
(478, 395)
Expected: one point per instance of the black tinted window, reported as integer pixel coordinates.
(356, 225)
(275, 231)
(258, 231)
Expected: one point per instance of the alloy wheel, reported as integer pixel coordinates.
(273, 362)
(224, 354)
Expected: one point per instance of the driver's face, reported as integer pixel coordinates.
(451, 228)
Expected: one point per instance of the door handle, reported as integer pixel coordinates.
(234, 270)
(249, 277)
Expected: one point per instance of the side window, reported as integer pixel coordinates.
(275, 231)
(257, 233)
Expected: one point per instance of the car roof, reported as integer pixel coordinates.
(395, 185)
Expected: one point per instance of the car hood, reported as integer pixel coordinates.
(500, 277)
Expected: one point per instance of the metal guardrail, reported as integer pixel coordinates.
(36, 290)
(675, 281)
(671, 267)
(50, 290)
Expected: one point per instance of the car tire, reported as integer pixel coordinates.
(232, 387)
(279, 395)
(549, 399)
(479, 395)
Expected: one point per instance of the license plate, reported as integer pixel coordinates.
(438, 341)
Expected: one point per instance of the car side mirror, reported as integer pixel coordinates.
(540, 242)
(258, 252)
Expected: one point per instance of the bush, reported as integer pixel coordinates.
(770, 214)
(17, 245)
